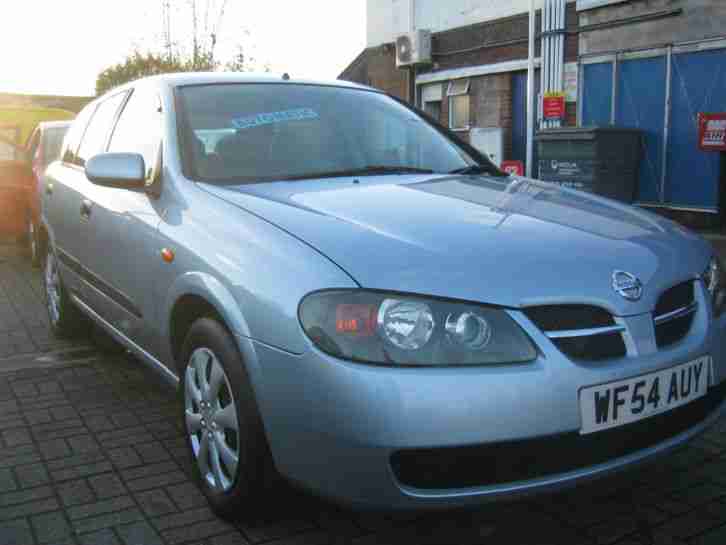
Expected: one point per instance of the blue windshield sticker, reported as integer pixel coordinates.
(274, 117)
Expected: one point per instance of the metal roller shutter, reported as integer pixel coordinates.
(698, 85)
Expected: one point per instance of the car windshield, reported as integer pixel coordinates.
(247, 133)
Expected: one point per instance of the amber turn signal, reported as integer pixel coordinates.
(167, 255)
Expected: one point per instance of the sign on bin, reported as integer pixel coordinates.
(712, 132)
(573, 174)
(553, 106)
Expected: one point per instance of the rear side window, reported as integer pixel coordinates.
(138, 129)
(96, 135)
(73, 137)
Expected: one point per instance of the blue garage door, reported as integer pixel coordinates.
(641, 104)
(698, 85)
(597, 94)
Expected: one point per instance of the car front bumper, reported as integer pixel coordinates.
(370, 436)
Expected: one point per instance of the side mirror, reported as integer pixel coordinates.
(121, 170)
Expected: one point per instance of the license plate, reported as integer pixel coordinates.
(625, 401)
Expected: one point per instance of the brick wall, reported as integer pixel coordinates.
(445, 107)
(698, 19)
(481, 44)
(458, 48)
(377, 67)
(467, 46)
(491, 105)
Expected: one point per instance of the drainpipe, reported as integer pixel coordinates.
(412, 15)
(530, 92)
(412, 98)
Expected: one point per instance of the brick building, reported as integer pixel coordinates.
(648, 64)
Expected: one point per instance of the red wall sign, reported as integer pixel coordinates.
(513, 167)
(553, 106)
(712, 132)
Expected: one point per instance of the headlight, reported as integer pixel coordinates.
(373, 327)
(715, 280)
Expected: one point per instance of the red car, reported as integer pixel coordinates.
(21, 180)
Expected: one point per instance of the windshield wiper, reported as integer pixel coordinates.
(387, 169)
(370, 170)
(477, 169)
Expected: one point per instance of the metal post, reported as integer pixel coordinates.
(666, 122)
(615, 88)
(580, 91)
(560, 52)
(530, 92)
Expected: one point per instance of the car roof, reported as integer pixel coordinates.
(201, 78)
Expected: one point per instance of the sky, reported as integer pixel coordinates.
(60, 46)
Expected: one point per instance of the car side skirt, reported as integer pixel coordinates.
(167, 374)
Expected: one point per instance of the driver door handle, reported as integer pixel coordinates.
(86, 209)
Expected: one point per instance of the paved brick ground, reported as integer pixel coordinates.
(23, 321)
(92, 453)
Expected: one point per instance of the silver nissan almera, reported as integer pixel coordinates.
(351, 298)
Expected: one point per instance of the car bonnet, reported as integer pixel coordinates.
(505, 241)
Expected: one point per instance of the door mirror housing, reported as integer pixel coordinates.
(120, 170)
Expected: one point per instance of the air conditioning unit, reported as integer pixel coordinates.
(413, 48)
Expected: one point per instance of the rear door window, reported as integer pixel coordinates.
(73, 137)
(138, 129)
(96, 135)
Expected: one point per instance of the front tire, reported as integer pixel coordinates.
(66, 320)
(224, 431)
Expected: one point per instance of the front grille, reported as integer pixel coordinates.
(498, 463)
(593, 348)
(564, 317)
(677, 297)
(581, 332)
(672, 332)
(674, 314)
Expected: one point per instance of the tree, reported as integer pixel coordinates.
(241, 62)
(195, 53)
(136, 65)
(206, 22)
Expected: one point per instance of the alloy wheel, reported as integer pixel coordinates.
(52, 288)
(211, 420)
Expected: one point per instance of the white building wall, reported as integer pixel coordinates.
(388, 19)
